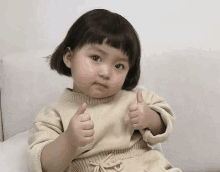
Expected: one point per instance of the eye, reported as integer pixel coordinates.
(121, 65)
(94, 56)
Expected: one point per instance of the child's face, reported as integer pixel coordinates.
(90, 66)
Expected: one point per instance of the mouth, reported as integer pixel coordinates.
(101, 85)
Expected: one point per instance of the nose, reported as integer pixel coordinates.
(105, 72)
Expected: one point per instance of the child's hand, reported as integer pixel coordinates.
(80, 131)
(139, 113)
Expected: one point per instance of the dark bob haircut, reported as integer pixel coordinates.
(94, 27)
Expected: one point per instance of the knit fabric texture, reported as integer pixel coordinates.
(112, 126)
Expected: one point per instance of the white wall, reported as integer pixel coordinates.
(162, 25)
(180, 42)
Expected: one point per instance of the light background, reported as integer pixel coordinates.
(180, 42)
(161, 25)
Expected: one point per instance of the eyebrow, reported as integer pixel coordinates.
(103, 52)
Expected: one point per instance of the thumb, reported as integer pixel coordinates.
(139, 97)
(81, 109)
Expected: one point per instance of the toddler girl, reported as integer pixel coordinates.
(102, 124)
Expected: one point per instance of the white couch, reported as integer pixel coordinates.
(188, 80)
(13, 153)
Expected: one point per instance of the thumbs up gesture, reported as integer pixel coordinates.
(139, 113)
(80, 131)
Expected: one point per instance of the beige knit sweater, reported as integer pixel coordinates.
(112, 126)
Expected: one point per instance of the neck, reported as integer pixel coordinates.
(79, 97)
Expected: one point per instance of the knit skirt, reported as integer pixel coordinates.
(138, 158)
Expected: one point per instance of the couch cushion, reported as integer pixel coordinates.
(27, 84)
(13, 156)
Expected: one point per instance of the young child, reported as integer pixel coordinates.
(102, 124)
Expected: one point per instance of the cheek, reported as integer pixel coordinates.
(87, 66)
(82, 67)
(119, 79)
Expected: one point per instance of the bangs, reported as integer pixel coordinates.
(116, 38)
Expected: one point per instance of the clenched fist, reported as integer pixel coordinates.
(80, 131)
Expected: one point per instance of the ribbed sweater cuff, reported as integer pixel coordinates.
(167, 119)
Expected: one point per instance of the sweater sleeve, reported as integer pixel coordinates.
(47, 127)
(159, 105)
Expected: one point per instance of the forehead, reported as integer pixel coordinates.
(107, 50)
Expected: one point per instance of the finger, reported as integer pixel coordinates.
(87, 125)
(88, 133)
(89, 139)
(132, 115)
(139, 97)
(135, 126)
(81, 109)
(134, 121)
(133, 107)
(85, 117)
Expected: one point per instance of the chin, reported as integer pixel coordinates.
(99, 95)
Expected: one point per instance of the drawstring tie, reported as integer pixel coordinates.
(102, 165)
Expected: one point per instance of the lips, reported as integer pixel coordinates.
(102, 85)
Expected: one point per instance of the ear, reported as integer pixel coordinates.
(67, 57)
